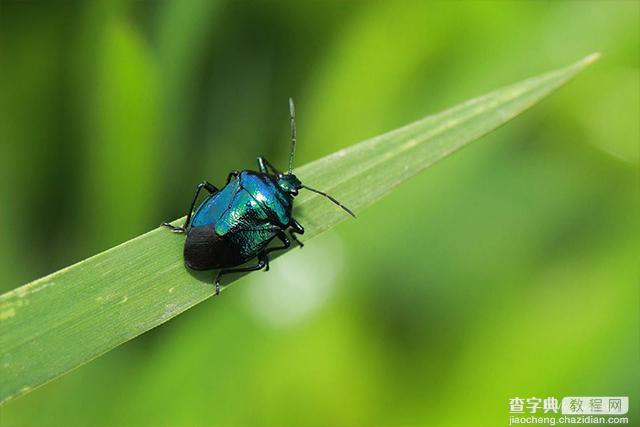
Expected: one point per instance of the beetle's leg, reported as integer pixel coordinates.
(265, 166)
(285, 245)
(263, 260)
(212, 189)
(178, 230)
(232, 174)
(261, 164)
(207, 186)
(296, 228)
(295, 239)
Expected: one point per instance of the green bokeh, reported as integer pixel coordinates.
(508, 270)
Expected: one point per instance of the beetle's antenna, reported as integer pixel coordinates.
(292, 113)
(332, 199)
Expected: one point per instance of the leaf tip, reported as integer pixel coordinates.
(590, 59)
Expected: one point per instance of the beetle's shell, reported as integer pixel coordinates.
(235, 224)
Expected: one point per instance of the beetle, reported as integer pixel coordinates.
(236, 223)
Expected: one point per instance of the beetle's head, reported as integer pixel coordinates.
(289, 183)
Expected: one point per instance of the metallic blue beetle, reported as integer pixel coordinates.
(236, 223)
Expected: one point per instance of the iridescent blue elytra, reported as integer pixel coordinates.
(235, 224)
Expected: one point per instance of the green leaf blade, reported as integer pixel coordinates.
(59, 322)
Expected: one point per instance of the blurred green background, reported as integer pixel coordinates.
(508, 270)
